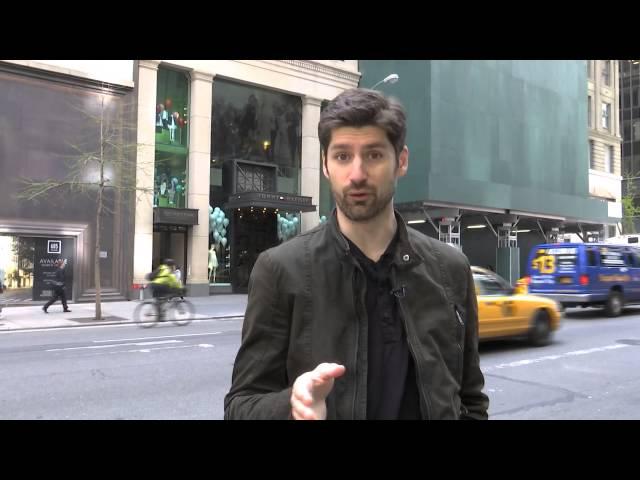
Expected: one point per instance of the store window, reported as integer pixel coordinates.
(172, 139)
(256, 144)
(257, 125)
(170, 180)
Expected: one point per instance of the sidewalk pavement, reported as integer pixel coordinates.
(113, 313)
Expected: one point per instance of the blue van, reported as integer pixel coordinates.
(586, 274)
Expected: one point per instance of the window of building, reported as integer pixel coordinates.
(606, 115)
(258, 125)
(256, 146)
(589, 69)
(606, 72)
(172, 139)
(170, 180)
(589, 111)
(172, 108)
(608, 159)
(592, 165)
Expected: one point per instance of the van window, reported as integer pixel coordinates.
(635, 258)
(592, 258)
(612, 257)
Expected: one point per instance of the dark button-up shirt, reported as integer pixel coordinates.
(391, 381)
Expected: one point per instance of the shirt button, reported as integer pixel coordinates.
(405, 258)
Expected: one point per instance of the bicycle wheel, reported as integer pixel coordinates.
(182, 312)
(146, 314)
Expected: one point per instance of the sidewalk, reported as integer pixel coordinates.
(29, 317)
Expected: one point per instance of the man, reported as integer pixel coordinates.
(360, 318)
(58, 288)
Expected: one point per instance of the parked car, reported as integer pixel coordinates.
(502, 312)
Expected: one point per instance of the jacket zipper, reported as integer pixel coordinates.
(425, 402)
(459, 339)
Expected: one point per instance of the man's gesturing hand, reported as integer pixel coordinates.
(311, 389)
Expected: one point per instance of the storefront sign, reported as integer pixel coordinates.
(283, 201)
(175, 216)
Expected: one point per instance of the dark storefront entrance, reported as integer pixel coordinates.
(254, 229)
(170, 230)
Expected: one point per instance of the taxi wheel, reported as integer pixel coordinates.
(614, 305)
(540, 333)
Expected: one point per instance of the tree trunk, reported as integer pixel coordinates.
(96, 253)
(96, 257)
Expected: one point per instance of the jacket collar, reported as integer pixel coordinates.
(405, 255)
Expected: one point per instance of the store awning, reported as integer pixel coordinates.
(281, 201)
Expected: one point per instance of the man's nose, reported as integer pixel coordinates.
(358, 172)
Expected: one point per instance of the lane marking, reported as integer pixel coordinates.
(153, 338)
(114, 345)
(575, 353)
(146, 350)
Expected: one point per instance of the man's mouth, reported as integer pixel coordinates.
(359, 195)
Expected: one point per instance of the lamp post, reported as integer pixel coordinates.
(393, 78)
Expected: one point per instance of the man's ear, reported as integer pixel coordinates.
(403, 162)
(324, 165)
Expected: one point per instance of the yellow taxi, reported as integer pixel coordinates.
(503, 312)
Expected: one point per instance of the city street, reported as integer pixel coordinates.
(118, 372)
(590, 371)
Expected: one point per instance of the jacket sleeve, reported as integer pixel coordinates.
(474, 402)
(259, 385)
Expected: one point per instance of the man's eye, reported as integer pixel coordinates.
(375, 155)
(342, 157)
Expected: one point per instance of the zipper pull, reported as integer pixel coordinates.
(455, 309)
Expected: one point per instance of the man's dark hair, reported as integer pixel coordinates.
(359, 107)
(169, 262)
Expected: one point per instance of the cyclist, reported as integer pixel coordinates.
(164, 283)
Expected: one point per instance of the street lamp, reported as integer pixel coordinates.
(393, 78)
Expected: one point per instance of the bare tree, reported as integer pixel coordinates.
(95, 169)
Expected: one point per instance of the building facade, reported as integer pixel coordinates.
(230, 150)
(498, 154)
(47, 121)
(630, 128)
(605, 139)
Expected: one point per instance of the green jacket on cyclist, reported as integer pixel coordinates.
(164, 276)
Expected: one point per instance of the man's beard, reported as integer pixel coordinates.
(366, 209)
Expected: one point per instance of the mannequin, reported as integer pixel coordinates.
(213, 264)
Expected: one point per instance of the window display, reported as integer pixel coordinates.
(170, 179)
(172, 108)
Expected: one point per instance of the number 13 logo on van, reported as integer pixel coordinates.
(544, 263)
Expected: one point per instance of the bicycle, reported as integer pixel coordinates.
(159, 309)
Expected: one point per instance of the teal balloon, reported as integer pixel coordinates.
(225, 222)
(295, 220)
(223, 232)
(216, 236)
(223, 241)
(216, 210)
(210, 209)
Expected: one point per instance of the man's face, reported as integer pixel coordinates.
(362, 170)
